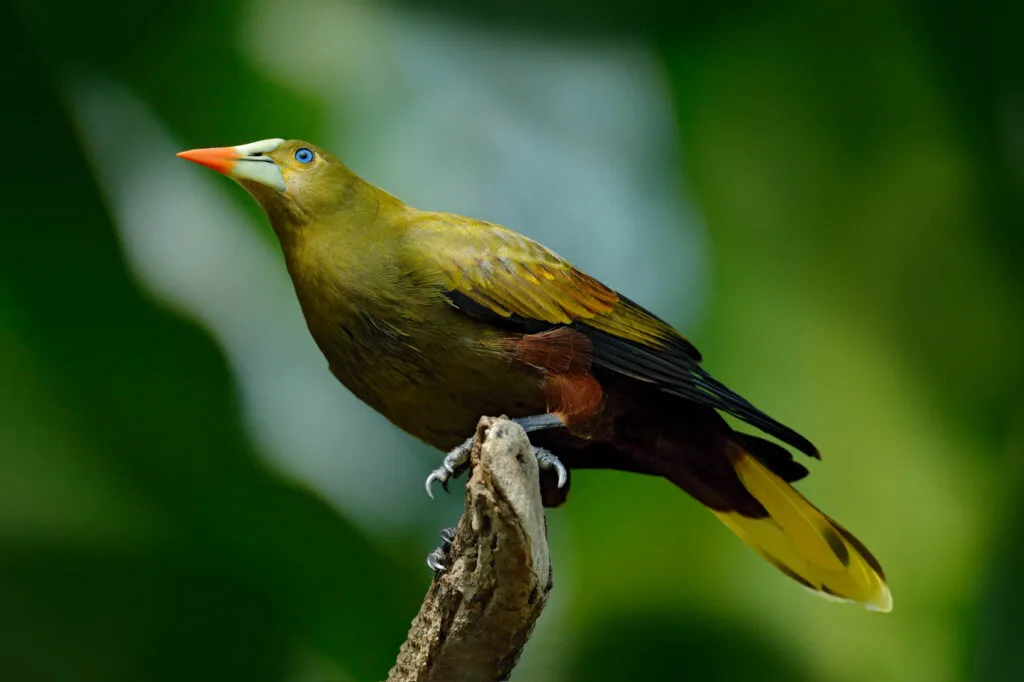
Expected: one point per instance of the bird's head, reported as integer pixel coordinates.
(292, 180)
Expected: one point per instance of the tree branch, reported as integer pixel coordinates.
(478, 615)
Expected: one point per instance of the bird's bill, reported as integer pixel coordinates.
(244, 162)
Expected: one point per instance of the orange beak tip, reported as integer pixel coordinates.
(220, 159)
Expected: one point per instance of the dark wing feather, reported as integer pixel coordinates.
(680, 375)
(503, 278)
(775, 457)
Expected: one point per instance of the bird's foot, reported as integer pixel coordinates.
(437, 559)
(547, 460)
(457, 461)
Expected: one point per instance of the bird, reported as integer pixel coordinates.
(435, 319)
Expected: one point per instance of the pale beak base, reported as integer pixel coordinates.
(244, 162)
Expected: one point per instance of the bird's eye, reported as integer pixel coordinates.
(303, 155)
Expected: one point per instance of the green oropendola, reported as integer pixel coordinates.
(436, 319)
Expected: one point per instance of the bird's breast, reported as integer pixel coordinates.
(422, 364)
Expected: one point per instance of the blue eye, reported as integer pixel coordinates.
(303, 155)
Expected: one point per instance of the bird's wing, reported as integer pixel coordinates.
(508, 280)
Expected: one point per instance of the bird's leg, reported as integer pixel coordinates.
(456, 461)
(545, 458)
(539, 422)
(437, 559)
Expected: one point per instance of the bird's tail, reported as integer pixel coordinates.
(804, 543)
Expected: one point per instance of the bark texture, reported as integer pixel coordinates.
(479, 614)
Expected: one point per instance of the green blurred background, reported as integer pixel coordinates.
(826, 197)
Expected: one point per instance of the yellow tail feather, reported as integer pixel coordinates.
(805, 544)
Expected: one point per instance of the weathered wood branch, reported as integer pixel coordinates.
(479, 614)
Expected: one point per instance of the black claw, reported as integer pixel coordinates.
(444, 486)
(447, 538)
(436, 559)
